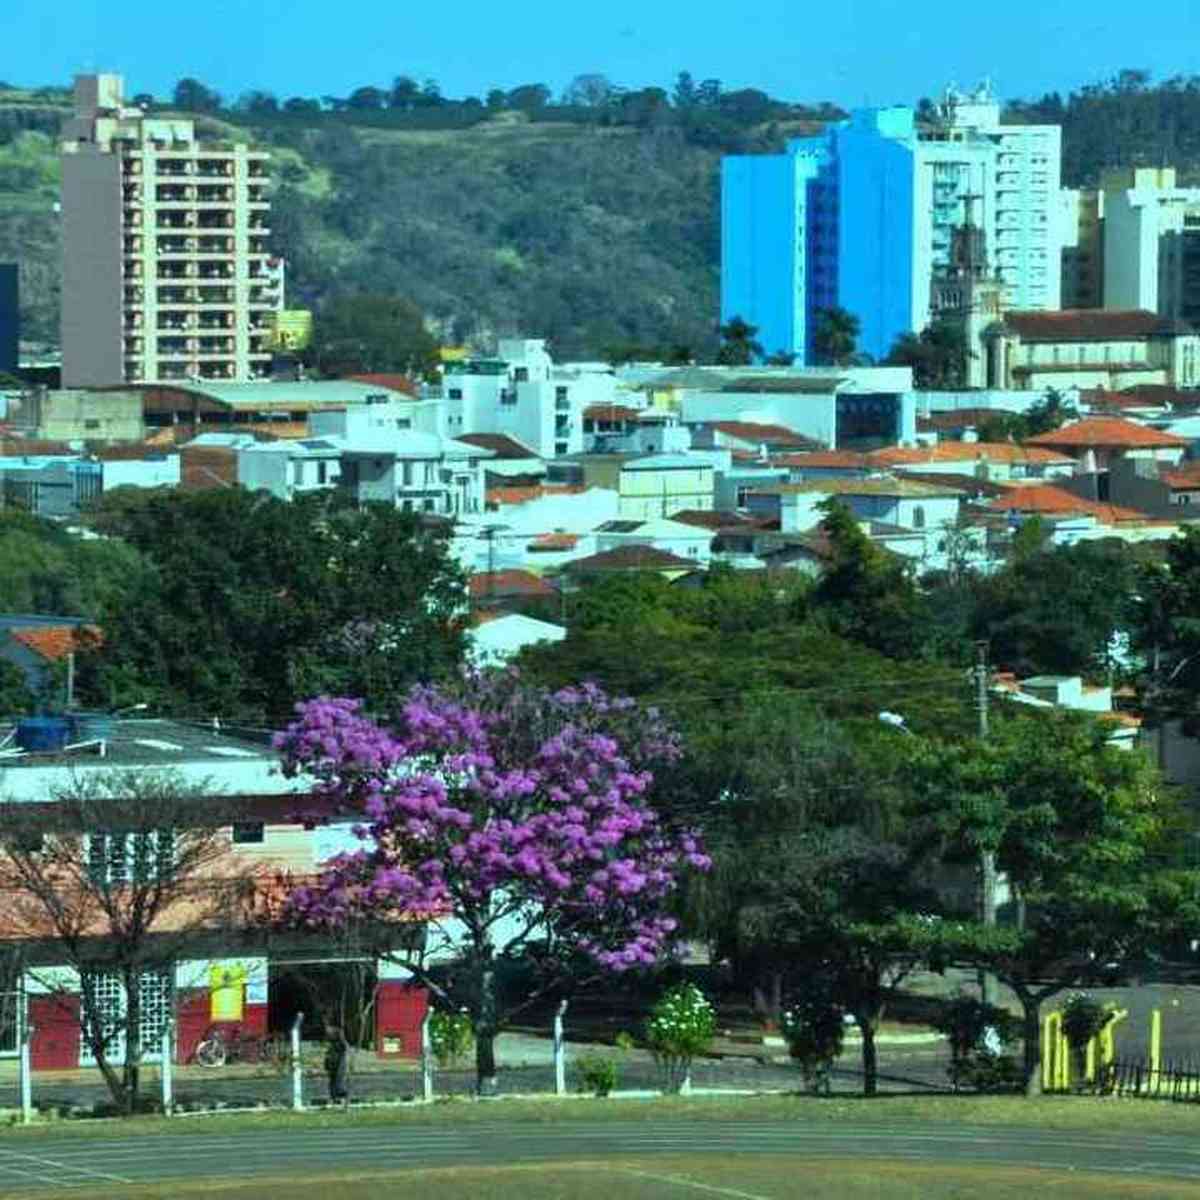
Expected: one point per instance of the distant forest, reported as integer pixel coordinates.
(590, 217)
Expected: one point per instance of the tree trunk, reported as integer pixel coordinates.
(133, 1040)
(870, 1059)
(1033, 1042)
(485, 1033)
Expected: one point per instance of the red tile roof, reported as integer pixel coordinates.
(501, 584)
(1084, 325)
(1106, 433)
(821, 458)
(55, 642)
(523, 495)
(633, 558)
(772, 435)
(704, 519)
(961, 418)
(611, 412)
(500, 444)
(394, 383)
(997, 452)
(1186, 479)
(553, 541)
(1043, 498)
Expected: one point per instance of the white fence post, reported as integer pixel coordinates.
(26, 1073)
(427, 1059)
(297, 1065)
(166, 1068)
(685, 1088)
(560, 1052)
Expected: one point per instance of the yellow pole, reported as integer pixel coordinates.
(1155, 1047)
(1047, 1052)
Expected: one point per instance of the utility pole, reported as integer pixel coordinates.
(987, 856)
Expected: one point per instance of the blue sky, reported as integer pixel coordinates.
(847, 51)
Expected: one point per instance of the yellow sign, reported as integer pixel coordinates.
(227, 991)
(291, 329)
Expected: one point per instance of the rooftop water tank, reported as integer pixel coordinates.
(43, 735)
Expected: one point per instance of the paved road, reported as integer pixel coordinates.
(29, 1166)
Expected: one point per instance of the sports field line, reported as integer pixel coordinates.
(694, 1185)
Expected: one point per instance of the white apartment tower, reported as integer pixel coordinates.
(166, 272)
(1023, 222)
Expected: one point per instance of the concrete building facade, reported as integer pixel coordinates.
(863, 215)
(166, 271)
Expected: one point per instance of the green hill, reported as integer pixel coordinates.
(594, 226)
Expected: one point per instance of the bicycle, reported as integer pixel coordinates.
(220, 1047)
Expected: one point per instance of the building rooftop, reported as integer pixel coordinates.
(1086, 325)
(500, 444)
(291, 396)
(997, 452)
(772, 435)
(1055, 501)
(822, 458)
(632, 558)
(1107, 433)
(904, 488)
(152, 742)
(508, 584)
(667, 462)
(611, 412)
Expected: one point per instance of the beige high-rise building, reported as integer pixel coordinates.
(166, 271)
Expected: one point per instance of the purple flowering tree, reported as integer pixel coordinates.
(512, 821)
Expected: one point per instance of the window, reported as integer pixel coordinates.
(114, 858)
(521, 374)
(249, 833)
(455, 393)
(322, 471)
(429, 504)
(297, 473)
(407, 474)
(919, 517)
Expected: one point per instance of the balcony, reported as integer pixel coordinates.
(215, 220)
(173, 193)
(176, 323)
(215, 271)
(209, 321)
(176, 245)
(214, 168)
(173, 270)
(132, 218)
(215, 245)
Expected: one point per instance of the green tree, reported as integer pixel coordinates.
(364, 333)
(835, 337)
(192, 96)
(866, 593)
(1049, 413)
(739, 346)
(1081, 831)
(1167, 633)
(1059, 610)
(938, 356)
(289, 599)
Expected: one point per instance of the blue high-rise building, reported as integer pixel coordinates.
(858, 218)
(10, 317)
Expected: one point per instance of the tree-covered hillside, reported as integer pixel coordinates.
(591, 218)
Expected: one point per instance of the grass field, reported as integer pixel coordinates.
(1081, 1113)
(776, 1177)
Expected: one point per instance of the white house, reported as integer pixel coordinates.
(522, 393)
(676, 537)
(497, 637)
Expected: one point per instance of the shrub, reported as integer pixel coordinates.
(451, 1036)
(599, 1074)
(815, 1028)
(1083, 1018)
(681, 1025)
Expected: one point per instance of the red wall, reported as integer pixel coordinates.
(195, 1020)
(56, 1032)
(400, 1008)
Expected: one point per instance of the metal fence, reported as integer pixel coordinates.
(1142, 1078)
